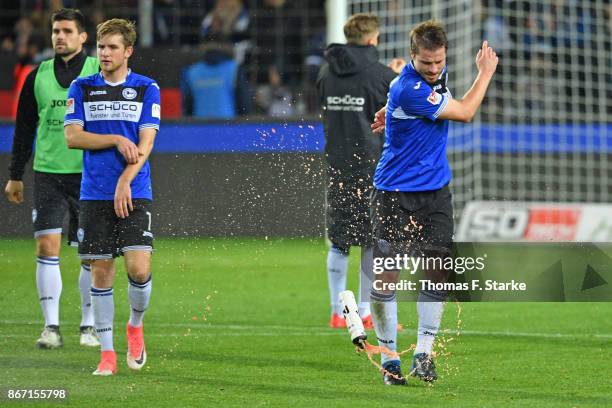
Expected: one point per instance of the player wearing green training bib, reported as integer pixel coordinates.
(57, 169)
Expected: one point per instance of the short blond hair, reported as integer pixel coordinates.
(125, 28)
(360, 26)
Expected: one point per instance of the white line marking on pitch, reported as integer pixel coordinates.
(264, 330)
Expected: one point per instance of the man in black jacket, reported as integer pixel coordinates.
(352, 86)
(57, 170)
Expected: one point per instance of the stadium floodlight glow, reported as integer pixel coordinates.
(353, 321)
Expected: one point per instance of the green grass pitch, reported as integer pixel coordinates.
(243, 322)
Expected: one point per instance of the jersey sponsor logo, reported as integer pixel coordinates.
(91, 93)
(129, 93)
(58, 103)
(70, 105)
(345, 103)
(156, 111)
(112, 110)
(417, 86)
(434, 98)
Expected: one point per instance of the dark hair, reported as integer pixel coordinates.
(360, 25)
(70, 15)
(429, 35)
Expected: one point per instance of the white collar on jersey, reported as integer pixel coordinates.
(119, 82)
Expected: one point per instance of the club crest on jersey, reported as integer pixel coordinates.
(80, 234)
(129, 93)
(434, 98)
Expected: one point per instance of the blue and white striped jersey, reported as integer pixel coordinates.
(414, 152)
(108, 108)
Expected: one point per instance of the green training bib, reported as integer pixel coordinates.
(52, 154)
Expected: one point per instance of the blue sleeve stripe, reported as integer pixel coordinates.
(442, 106)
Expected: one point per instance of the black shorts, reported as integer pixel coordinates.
(412, 223)
(55, 197)
(348, 209)
(103, 235)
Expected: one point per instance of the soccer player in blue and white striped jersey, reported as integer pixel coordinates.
(114, 117)
(412, 211)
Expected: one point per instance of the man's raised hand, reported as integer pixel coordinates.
(486, 59)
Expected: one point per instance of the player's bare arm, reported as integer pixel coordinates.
(77, 138)
(464, 110)
(123, 191)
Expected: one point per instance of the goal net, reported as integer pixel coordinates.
(544, 131)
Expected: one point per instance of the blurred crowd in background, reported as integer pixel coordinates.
(555, 60)
(220, 59)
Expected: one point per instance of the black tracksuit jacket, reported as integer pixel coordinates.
(352, 86)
